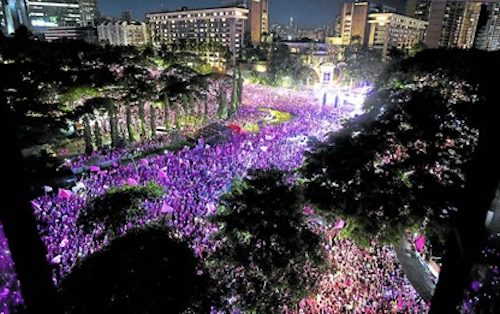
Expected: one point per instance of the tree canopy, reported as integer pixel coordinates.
(404, 159)
(146, 271)
(269, 251)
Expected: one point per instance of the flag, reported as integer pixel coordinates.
(211, 209)
(235, 127)
(162, 174)
(144, 162)
(36, 205)
(264, 148)
(420, 243)
(339, 224)
(308, 210)
(64, 242)
(57, 259)
(166, 209)
(95, 168)
(47, 188)
(400, 302)
(131, 181)
(63, 193)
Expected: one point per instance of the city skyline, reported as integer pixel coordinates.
(305, 14)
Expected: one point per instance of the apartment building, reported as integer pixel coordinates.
(394, 30)
(258, 20)
(222, 26)
(123, 33)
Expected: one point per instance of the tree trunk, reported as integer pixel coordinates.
(234, 98)
(205, 111)
(240, 88)
(113, 123)
(98, 135)
(142, 121)
(469, 237)
(166, 104)
(87, 135)
(152, 119)
(222, 110)
(20, 228)
(177, 118)
(130, 127)
(185, 108)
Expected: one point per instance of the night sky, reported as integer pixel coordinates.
(307, 13)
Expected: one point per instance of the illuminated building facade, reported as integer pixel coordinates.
(224, 27)
(353, 21)
(123, 33)
(13, 13)
(488, 29)
(88, 12)
(394, 30)
(451, 23)
(258, 19)
(54, 13)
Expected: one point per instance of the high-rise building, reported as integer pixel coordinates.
(419, 9)
(451, 23)
(13, 13)
(337, 26)
(54, 13)
(389, 30)
(468, 27)
(123, 33)
(258, 20)
(88, 12)
(488, 29)
(354, 17)
(224, 27)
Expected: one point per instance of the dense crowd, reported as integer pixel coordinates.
(366, 281)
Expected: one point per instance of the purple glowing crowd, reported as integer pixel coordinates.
(365, 281)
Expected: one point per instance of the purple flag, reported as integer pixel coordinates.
(95, 168)
(131, 181)
(162, 174)
(63, 193)
(475, 285)
(211, 209)
(339, 224)
(115, 164)
(420, 243)
(57, 259)
(400, 302)
(144, 162)
(36, 205)
(64, 242)
(166, 209)
(308, 210)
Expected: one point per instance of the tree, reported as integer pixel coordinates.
(267, 244)
(401, 161)
(148, 270)
(421, 150)
(20, 227)
(113, 210)
(363, 64)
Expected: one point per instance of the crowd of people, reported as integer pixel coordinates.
(366, 281)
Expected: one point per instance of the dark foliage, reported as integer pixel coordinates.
(270, 255)
(145, 271)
